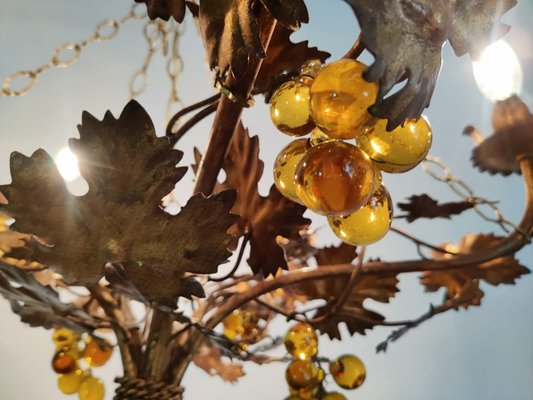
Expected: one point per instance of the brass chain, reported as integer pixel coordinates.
(68, 53)
(435, 168)
(174, 66)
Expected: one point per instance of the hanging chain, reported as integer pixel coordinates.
(174, 66)
(68, 53)
(435, 168)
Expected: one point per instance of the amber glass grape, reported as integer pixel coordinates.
(340, 97)
(234, 325)
(368, 224)
(96, 356)
(70, 383)
(334, 178)
(317, 136)
(289, 107)
(91, 389)
(64, 362)
(301, 341)
(401, 149)
(302, 374)
(333, 396)
(348, 371)
(304, 394)
(63, 338)
(285, 168)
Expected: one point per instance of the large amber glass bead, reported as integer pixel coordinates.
(96, 356)
(302, 374)
(340, 97)
(335, 178)
(285, 168)
(368, 224)
(289, 107)
(64, 362)
(301, 341)
(348, 371)
(91, 389)
(70, 383)
(401, 149)
(304, 394)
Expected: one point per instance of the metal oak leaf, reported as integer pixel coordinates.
(164, 9)
(353, 313)
(423, 206)
(464, 283)
(230, 29)
(406, 39)
(120, 221)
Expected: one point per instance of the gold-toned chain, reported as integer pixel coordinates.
(459, 187)
(174, 66)
(68, 53)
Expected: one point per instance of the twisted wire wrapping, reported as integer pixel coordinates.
(142, 389)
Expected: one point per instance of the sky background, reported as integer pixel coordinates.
(483, 353)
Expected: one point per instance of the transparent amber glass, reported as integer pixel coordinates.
(285, 168)
(348, 371)
(333, 396)
(301, 341)
(340, 97)
(302, 374)
(64, 363)
(91, 389)
(63, 338)
(318, 136)
(289, 107)
(334, 178)
(368, 224)
(401, 149)
(234, 325)
(96, 356)
(70, 383)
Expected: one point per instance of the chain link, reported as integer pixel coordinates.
(174, 66)
(435, 168)
(67, 54)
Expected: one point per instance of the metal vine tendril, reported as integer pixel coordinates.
(68, 53)
(461, 188)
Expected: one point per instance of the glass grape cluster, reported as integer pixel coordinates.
(66, 363)
(242, 327)
(304, 375)
(328, 175)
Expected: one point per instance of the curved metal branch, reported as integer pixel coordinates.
(188, 109)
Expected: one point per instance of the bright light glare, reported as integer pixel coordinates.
(498, 72)
(67, 164)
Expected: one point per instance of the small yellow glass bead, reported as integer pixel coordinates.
(340, 97)
(348, 371)
(368, 224)
(334, 178)
(70, 383)
(289, 107)
(63, 338)
(311, 68)
(317, 136)
(333, 396)
(234, 325)
(96, 356)
(64, 362)
(285, 168)
(401, 149)
(91, 389)
(301, 341)
(302, 374)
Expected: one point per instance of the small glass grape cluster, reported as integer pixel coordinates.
(305, 376)
(332, 177)
(66, 363)
(242, 327)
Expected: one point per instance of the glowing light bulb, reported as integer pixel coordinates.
(67, 164)
(498, 72)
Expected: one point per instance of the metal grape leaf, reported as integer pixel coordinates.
(209, 358)
(500, 153)
(39, 305)
(406, 39)
(230, 29)
(262, 218)
(164, 9)
(379, 287)
(423, 206)
(464, 282)
(8, 238)
(284, 57)
(129, 170)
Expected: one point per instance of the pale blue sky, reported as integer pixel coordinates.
(483, 353)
